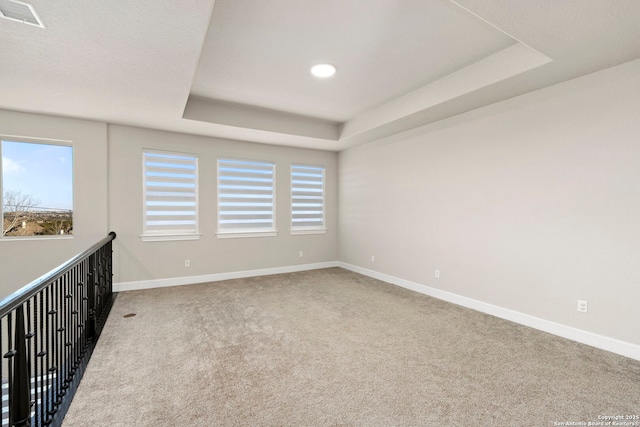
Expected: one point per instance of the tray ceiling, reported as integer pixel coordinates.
(239, 69)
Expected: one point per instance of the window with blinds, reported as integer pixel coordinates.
(170, 196)
(307, 199)
(246, 198)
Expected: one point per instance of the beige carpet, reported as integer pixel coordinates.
(334, 348)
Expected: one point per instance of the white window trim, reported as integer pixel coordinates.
(301, 231)
(244, 233)
(27, 238)
(169, 235)
(249, 233)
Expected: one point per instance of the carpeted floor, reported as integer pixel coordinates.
(334, 348)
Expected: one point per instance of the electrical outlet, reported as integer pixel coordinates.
(373, 259)
(437, 274)
(301, 254)
(582, 306)
(187, 263)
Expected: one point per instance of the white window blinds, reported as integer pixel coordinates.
(170, 194)
(246, 198)
(307, 199)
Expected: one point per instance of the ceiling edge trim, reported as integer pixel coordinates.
(251, 117)
(502, 65)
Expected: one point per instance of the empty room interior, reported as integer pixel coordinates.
(439, 226)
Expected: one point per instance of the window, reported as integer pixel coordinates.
(246, 198)
(307, 199)
(170, 196)
(37, 189)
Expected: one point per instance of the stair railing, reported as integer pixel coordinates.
(48, 330)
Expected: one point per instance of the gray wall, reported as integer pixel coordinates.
(529, 204)
(23, 260)
(108, 196)
(142, 261)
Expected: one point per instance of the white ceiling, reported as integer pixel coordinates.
(239, 69)
(255, 54)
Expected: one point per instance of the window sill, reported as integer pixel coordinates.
(27, 238)
(302, 232)
(242, 234)
(168, 237)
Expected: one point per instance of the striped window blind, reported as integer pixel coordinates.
(246, 197)
(170, 194)
(307, 199)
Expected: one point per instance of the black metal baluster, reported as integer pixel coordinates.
(83, 303)
(68, 360)
(64, 339)
(19, 389)
(73, 286)
(40, 355)
(33, 360)
(9, 356)
(36, 376)
(48, 355)
(62, 312)
(78, 328)
(51, 355)
(91, 325)
(29, 339)
(29, 332)
(110, 267)
(72, 323)
(98, 303)
(83, 307)
(55, 344)
(103, 286)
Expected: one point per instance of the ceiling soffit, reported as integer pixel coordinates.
(395, 58)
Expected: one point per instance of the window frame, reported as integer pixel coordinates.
(304, 230)
(39, 141)
(151, 235)
(246, 232)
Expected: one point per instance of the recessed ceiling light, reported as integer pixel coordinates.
(323, 70)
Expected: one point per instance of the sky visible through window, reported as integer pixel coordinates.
(44, 171)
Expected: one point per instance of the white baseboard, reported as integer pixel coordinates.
(599, 341)
(216, 277)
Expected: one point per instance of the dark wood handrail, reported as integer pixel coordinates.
(14, 300)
